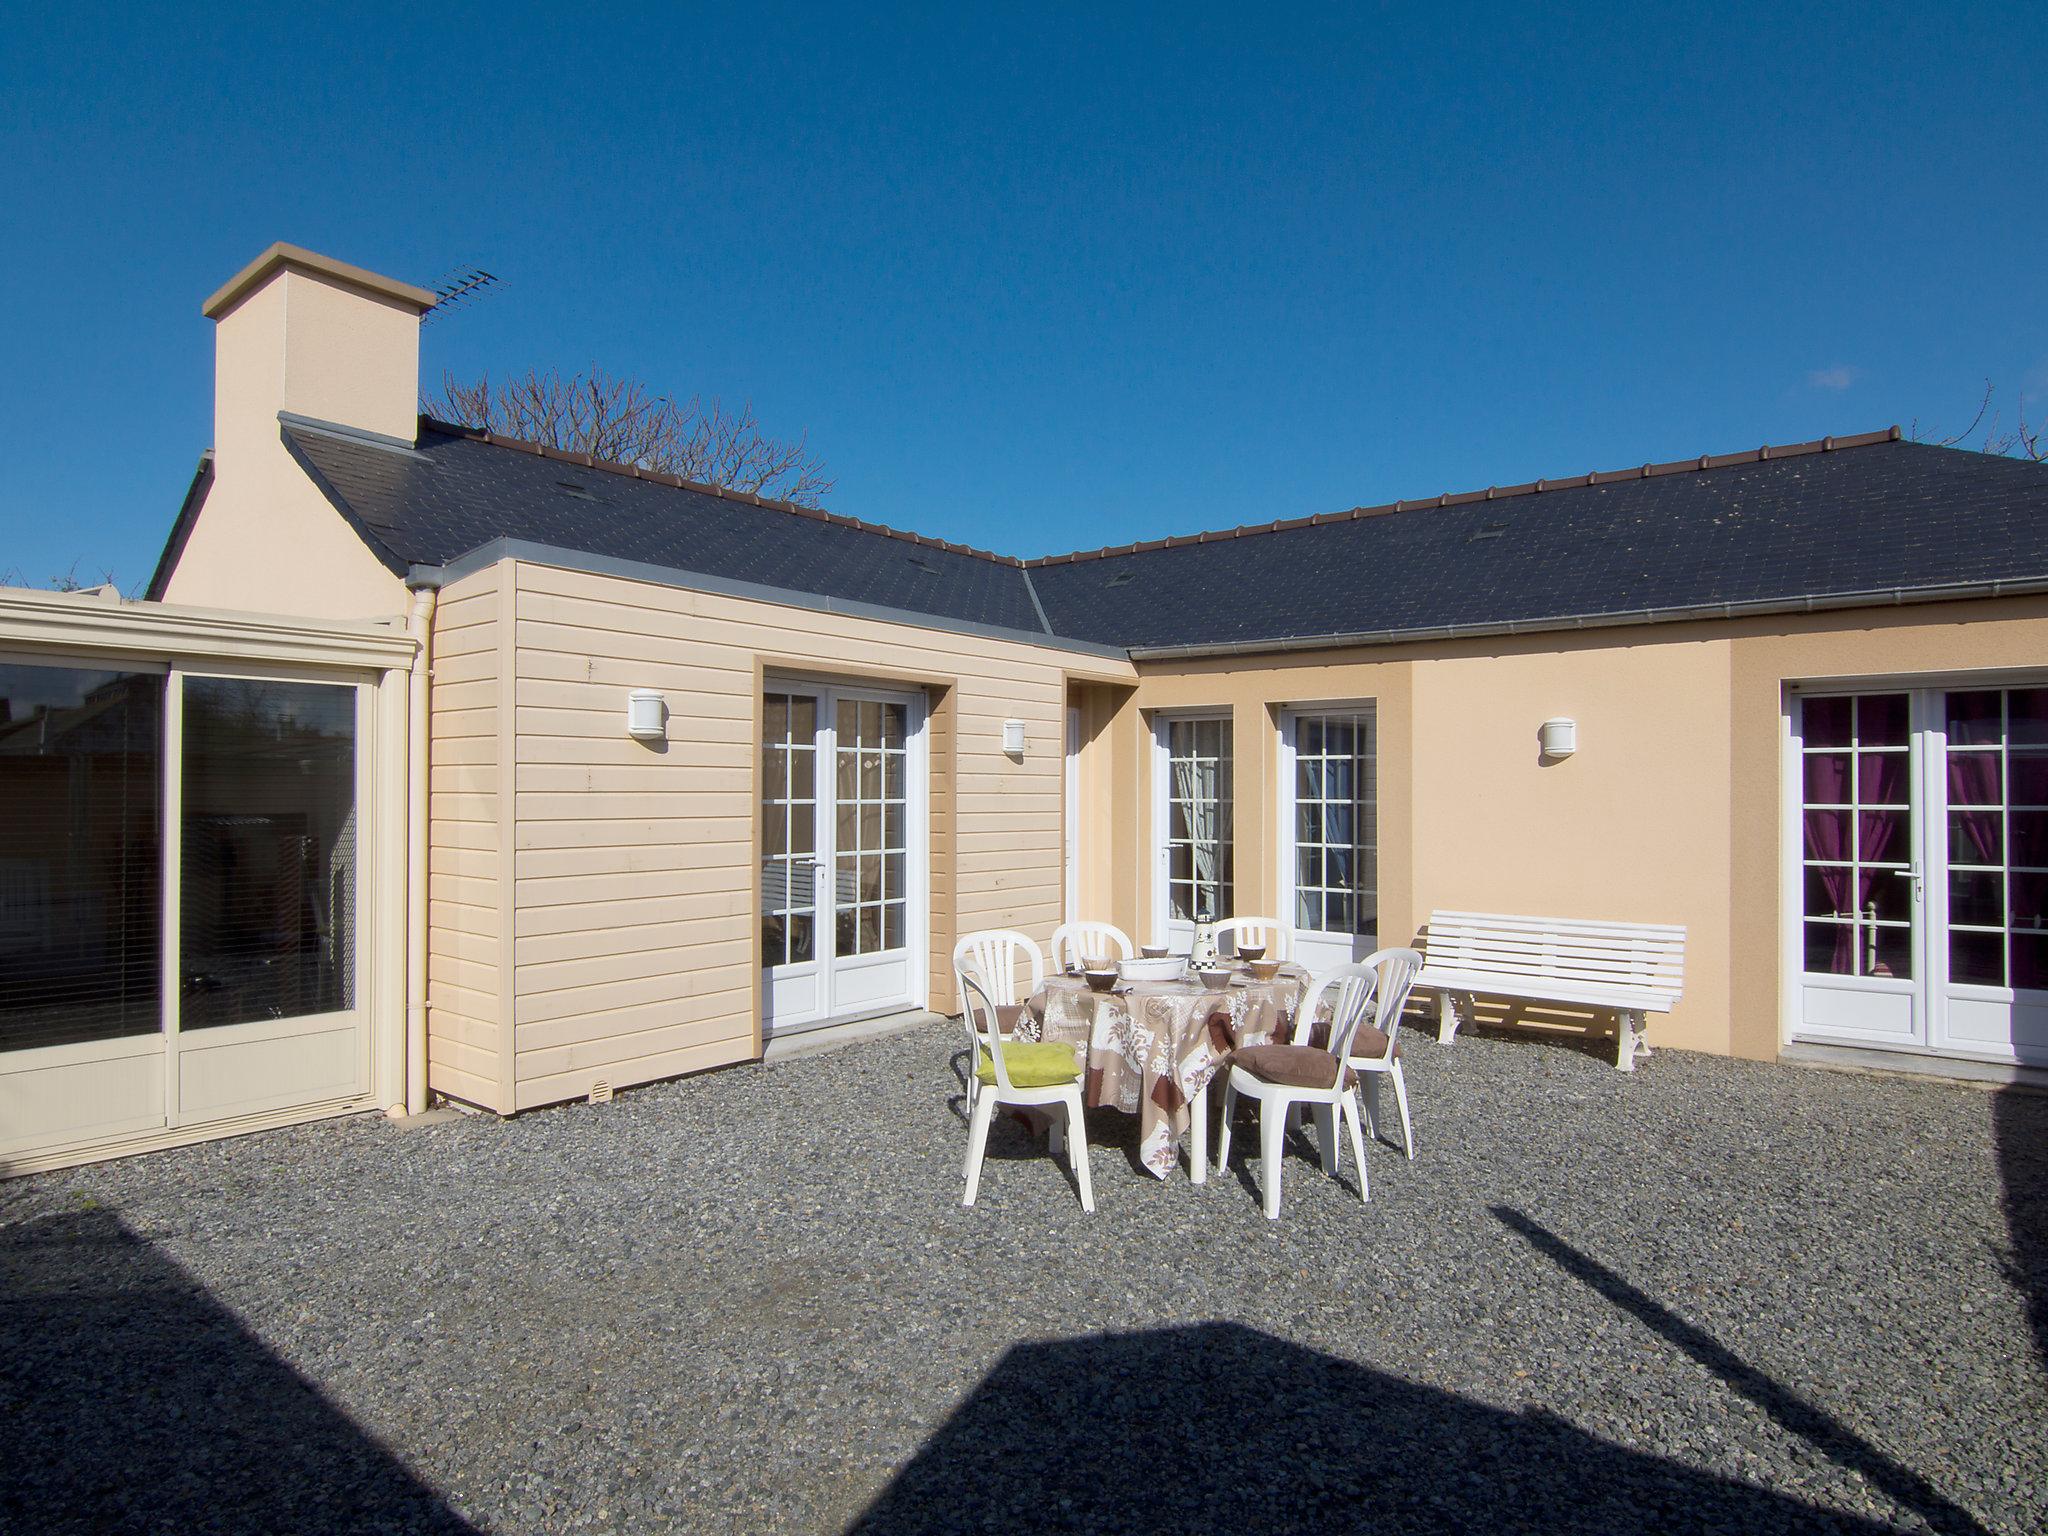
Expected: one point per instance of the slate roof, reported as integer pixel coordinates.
(1870, 517)
(457, 491)
(1811, 521)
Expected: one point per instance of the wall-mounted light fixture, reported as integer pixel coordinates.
(1013, 737)
(646, 715)
(1559, 737)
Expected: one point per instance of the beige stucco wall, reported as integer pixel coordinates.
(632, 926)
(1670, 811)
(267, 538)
(1634, 827)
(1927, 642)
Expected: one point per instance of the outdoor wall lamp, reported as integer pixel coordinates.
(646, 715)
(1559, 737)
(1013, 737)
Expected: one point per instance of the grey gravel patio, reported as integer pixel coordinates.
(1710, 1296)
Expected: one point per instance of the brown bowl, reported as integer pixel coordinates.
(1216, 977)
(1154, 951)
(1265, 970)
(1250, 952)
(1100, 981)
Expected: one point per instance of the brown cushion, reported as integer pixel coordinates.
(1291, 1066)
(1370, 1043)
(1007, 1015)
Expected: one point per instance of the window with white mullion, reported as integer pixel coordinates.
(1857, 824)
(1336, 833)
(789, 828)
(1997, 788)
(1200, 878)
(872, 886)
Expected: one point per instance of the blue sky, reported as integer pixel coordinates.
(1051, 281)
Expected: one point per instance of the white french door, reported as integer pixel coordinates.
(1921, 865)
(1191, 826)
(843, 868)
(1329, 833)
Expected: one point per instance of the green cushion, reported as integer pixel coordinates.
(1032, 1063)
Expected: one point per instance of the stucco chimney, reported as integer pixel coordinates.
(303, 335)
(299, 332)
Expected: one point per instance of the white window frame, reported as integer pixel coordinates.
(1291, 716)
(1178, 934)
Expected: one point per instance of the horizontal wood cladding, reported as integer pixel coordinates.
(468, 992)
(633, 879)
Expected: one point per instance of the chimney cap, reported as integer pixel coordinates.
(281, 255)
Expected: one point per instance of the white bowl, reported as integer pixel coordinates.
(1169, 969)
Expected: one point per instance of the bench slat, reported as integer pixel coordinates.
(1622, 965)
(1535, 989)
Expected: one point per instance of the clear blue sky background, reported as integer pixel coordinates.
(1052, 282)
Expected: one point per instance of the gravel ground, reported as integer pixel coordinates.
(1712, 1296)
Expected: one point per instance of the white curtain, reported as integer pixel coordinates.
(1199, 799)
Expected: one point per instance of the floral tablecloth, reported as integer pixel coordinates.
(1154, 1046)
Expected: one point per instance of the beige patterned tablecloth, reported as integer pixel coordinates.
(1153, 1046)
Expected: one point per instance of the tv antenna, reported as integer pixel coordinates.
(460, 285)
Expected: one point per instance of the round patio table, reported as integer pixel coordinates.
(1153, 1046)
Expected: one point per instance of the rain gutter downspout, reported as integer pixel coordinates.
(421, 626)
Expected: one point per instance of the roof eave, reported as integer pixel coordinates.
(2032, 586)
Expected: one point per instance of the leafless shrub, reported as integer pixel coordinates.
(2021, 441)
(622, 420)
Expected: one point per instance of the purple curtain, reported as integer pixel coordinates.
(1827, 840)
(1974, 805)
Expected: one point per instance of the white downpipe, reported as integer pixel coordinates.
(421, 624)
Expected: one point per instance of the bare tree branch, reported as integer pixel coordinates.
(621, 420)
(1983, 405)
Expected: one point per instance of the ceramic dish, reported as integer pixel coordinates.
(1100, 981)
(1265, 970)
(1216, 976)
(1166, 968)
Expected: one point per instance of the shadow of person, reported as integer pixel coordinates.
(132, 1401)
(1222, 1428)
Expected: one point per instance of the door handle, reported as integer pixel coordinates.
(1917, 876)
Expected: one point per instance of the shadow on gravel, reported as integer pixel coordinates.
(1792, 1412)
(1221, 1428)
(2019, 1128)
(131, 1401)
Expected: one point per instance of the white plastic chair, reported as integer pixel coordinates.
(1075, 942)
(1269, 931)
(1375, 1049)
(1049, 1082)
(1281, 1077)
(990, 957)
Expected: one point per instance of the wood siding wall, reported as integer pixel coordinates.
(632, 923)
(465, 899)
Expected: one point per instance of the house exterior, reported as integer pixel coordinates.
(1810, 687)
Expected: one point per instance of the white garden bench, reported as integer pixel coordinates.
(1632, 968)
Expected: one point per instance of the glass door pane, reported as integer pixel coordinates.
(1336, 824)
(1858, 836)
(1996, 775)
(871, 822)
(269, 843)
(81, 851)
(789, 828)
(1199, 871)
